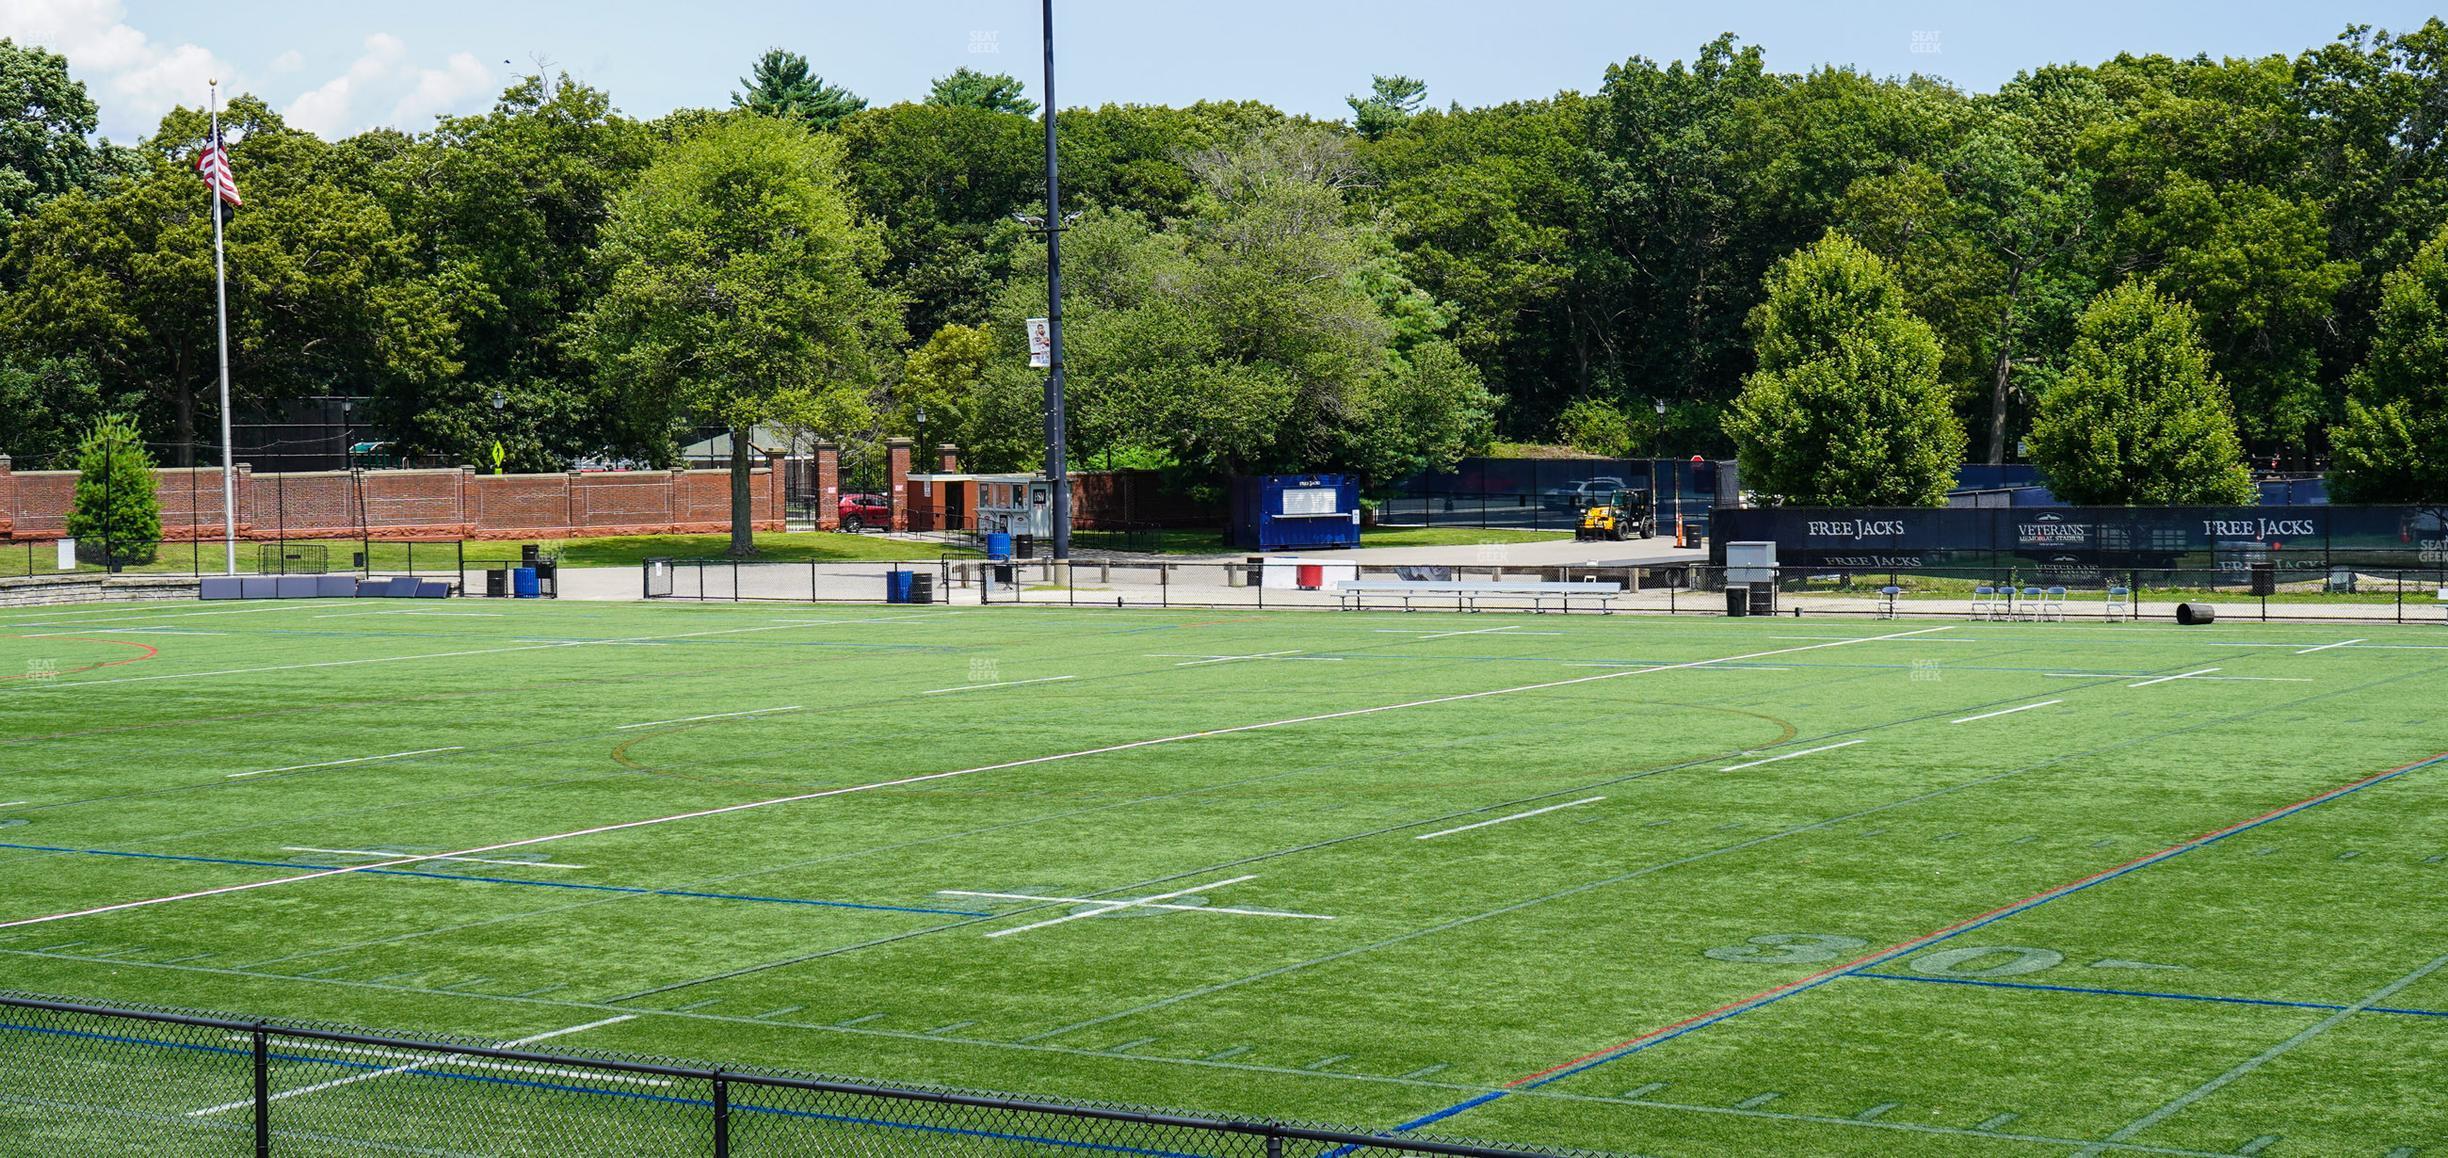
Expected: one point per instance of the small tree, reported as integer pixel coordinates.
(114, 511)
(2393, 445)
(781, 85)
(2139, 416)
(970, 89)
(1846, 408)
(1391, 103)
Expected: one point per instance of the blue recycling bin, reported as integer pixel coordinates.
(523, 583)
(897, 585)
(998, 545)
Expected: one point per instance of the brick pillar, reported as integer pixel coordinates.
(569, 502)
(777, 490)
(8, 499)
(471, 512)
(948, 456)
(896, 480)
(828, 487)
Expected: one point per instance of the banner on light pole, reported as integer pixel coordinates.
(1041, 343)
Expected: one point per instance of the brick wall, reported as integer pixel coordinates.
(413, 504)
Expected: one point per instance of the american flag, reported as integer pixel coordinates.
(214, 164)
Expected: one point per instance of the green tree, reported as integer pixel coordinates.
(326, 294)
(114, 513)
(738, 271)
(942, 380)
(781, 85)
(2393, 445)
(2138, 416)
(45, 117)
(46, 405)
(1391, 102)
(1846, 408)
(504, 207)
(1594, 427)
(967, 88)
(948, 239)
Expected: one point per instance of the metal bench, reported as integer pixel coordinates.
(1352, 594)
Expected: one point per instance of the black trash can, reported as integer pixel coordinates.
(1738, 600)
(1024, 546)
(497, 582)
(922, 587)
(528, 552)
(1005, 574)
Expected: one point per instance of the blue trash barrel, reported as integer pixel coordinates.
(897, 586)
(998, 546)
(523, 582)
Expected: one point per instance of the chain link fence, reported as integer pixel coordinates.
(78, 1079)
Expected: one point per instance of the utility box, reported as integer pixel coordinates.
(1751, 564)
(1279, 512)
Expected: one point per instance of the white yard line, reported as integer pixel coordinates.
(353, 760)
(1704, 667)
(484, 1064)
(2005, 712)
(464, 859)
(1220, 909)
(15, 803)
(1477, 631)
(2327, 646)
(1790, 755)
(1473, 631)
(715, 716)
(2164, 679)
(1031, 761)
(438, 1059)
(1232, 658)
(60, 619)
(999, 684)
(1514, 817)
(1104, 907)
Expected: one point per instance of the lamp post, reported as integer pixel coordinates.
(1057, 473)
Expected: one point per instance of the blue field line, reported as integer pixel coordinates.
(441, 1058)
(2104, 992)
(1815, 981)
(632, 889)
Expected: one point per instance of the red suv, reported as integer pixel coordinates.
(859, 512)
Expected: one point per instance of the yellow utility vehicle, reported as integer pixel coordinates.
(1626, 514)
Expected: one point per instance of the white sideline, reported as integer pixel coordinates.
(467, 859)
(1104, 907)
(1133, 745)
(436, 1060)
(192, 675)
(1515, 816)
(487, 1065)
(2005, 712)
(1790, 755)
(353, 760)
(715, 716)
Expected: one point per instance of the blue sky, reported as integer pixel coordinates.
(339, 67)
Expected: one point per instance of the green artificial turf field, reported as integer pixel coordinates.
(1666, 886)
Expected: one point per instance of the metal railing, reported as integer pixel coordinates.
(88, 1079)
(1662, 586)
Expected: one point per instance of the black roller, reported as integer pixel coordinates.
(2192, 613)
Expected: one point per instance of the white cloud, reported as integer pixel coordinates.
(289, 61)
(385, 76)
(134, 78)
(461, 82)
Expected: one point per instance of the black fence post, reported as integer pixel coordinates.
(722, 1116)
(263, 1093)
(1274, 1145)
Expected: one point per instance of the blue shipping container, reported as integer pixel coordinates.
(1282, 512)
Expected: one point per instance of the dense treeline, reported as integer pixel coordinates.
(1251, 290)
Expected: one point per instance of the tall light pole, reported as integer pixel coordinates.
(1057, 473)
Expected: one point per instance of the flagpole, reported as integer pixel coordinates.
(229, 481)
